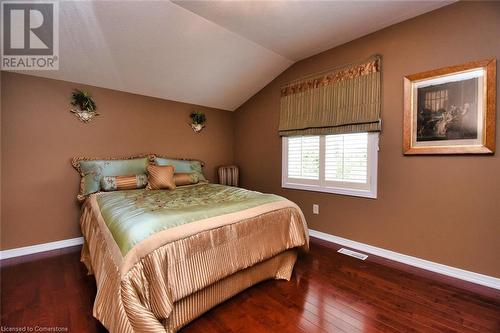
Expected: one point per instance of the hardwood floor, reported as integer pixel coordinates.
(329, 292)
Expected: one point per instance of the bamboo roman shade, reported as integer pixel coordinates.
(342, 100)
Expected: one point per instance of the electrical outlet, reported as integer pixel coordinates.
(316, 209)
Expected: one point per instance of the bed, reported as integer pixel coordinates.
(161, 258)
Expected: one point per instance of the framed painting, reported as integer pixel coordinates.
(451, 110)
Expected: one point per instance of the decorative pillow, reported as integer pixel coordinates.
(117, 183)
(160, 177)
(92, 171)
(183, 166)
(186, 178)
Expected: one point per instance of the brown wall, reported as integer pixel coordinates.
(40, 135)
(441, 208)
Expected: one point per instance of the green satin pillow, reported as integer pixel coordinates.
(183, 166)
(93, 171)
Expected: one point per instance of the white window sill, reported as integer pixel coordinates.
(372, 194)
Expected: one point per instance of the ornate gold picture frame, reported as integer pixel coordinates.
(451, 110)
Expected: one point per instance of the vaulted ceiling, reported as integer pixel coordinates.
(211, 53)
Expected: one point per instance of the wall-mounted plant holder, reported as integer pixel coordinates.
(198, 120)
(197, 127)
(84, 107)
(84, 116)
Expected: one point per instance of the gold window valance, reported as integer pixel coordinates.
(341, 100)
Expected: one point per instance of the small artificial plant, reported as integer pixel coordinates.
(198, 120)
(84, 105)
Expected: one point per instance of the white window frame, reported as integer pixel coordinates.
(368, 190)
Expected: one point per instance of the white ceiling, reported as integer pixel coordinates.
(300, 29)
(211, 53)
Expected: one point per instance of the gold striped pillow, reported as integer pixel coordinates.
(186, 178)
(118, 183)
(160, 177)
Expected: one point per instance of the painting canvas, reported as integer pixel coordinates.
(450, 110)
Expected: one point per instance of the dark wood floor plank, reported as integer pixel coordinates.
(328, 292)
(428, 290)
(401, 318)
(369, 294)
(328, 299)
(441, 319)
(307, 322)
(406, 307)
(365, 278)
(440, 305)
(325, 302)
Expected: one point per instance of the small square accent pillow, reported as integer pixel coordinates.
(160, 177)
(118, 183)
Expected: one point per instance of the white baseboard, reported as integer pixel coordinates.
(22, 251)
(458, 273)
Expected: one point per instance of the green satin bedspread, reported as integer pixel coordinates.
(134, 215)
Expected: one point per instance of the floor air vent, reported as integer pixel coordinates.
(356, 255)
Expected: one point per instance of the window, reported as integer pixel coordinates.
(342, 164)
(436, 100)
